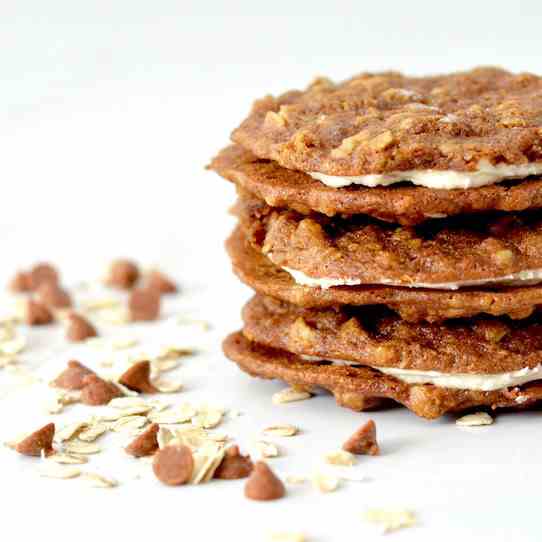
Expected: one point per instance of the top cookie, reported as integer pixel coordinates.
(387, 123)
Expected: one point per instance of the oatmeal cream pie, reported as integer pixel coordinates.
(412, 304)
(461, 130)
(403, 203)
(447, 254)
(473, 362)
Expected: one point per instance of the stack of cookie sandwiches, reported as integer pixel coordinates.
(391, 227)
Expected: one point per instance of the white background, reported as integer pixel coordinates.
(109, 111)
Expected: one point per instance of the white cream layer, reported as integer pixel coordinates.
(460, 381)
(522, 278)
(432, 178)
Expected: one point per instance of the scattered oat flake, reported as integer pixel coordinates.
(295, 480)
(68, 459)
(206, 461)
(50, 469)
(70, 431)
(340, 457)
(476, 419)
(127, 402)
(129, 423)
(208, 418)
(173, 353)
(390, 520)
(289, 395)
(325, 482)
(266, 449)
(286, 537)
(281, 430)
(93, 432)
(84, 448)
(167, 386)
(97, 480)
(99, 304)
(202, 324)
(124, 343)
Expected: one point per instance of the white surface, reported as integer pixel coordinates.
(108, 113)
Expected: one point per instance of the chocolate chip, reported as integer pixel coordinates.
(123, 274)
(146, 443)
(42, 273)
(156, 280)
(20, 282)
(52, 295)
(173, 465)
(234, 465)
(42, 439)
(72, 378)
(37, 314)
(144, 305)
(263, 485)
(79, 328)
(363, 441)
(138, 378)
(97, 391)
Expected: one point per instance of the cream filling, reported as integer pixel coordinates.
(460, 381)
(521, 278)
(486, 174)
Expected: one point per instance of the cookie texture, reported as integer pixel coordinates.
(384, 122)
(375, 336)
(362, 388)
(406, 205)
(413, 305)
(465, 248)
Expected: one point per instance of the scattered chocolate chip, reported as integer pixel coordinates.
(234, 465)
(37, 314)
(138, 378)
(173, 465)
(42, 439)
(52, 295)
(263, 485)
(79, 328)
(72, 378)
(97, 391)
(156, 280)
(42, 273)
(363, 441)
(123, 274)
(144, 305)
(146, 443)
(20, 282)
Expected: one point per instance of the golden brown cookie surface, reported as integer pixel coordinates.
(384, 122)
(361, 388)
